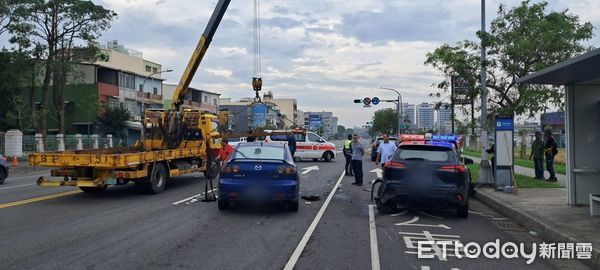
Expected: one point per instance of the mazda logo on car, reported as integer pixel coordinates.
(258, 167)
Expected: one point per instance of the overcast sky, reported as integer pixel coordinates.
(324, 53)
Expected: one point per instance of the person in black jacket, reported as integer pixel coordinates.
(348, 155)
(551, 149)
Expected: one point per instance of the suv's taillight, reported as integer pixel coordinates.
(392, 164)
(452, 169)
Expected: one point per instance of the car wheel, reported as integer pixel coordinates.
(223, 204)
(385, 208)
(315, 159)
(327, 157)
(3, 175)
(462, 211)
(155, 182)
(292, 206)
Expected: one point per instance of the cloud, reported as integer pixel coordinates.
(324, 53)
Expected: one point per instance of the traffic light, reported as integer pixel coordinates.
(358, 101)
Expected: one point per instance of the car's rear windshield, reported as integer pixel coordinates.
(259, 152)
(424, 152)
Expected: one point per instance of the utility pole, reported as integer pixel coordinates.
(399, 108)
(485, 172)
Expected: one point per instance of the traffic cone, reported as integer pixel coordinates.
(15, 162)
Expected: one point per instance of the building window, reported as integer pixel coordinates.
(154, 70)
(155, 91)
(141, 87)
(148, 69)
(205, 99)
(215, 101)
(127, 81)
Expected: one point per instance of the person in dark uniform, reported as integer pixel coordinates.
(292, 143)
(550, 152)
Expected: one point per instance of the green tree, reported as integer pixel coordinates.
(64, 29)
(384, 121)
(521, 40)
(112, 120)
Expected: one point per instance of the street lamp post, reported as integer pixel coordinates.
(142, 90)
(399, 107)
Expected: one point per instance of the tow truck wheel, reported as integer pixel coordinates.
(93, 189)
(155, 182)
(2, 175)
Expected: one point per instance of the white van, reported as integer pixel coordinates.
(309, 145)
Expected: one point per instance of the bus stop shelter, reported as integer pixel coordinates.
(581, 78)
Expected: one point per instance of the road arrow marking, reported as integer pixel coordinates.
(378, 171)
(309, 169)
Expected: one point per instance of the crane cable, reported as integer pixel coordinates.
(257, 62)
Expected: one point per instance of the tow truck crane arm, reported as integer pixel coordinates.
(182, 88)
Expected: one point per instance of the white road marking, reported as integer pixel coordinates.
(18, 186)
(415, 219)
(425, 267)
(298, 251)
(309, 169)
(373, 233)
(378, 171)
(199, 195)
(399, 214)
(430, 215)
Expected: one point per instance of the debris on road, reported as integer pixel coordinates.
(309, 203)
(311, 197)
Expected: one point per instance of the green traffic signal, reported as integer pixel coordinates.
(358, 101)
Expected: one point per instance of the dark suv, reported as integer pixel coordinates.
(3, 169)
(425, 175)
(376, 143)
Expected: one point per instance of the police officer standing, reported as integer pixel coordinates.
(348, 155)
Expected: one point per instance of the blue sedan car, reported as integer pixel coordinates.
(259, 172)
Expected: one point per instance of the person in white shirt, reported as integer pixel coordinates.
(385, 151)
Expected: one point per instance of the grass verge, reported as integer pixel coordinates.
(523, 181)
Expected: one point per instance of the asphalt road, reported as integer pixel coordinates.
(61, 228)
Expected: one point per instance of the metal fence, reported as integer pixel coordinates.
(51, 143)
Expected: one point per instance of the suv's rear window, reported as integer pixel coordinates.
(428, 153)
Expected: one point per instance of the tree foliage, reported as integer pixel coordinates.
(63, 31)
(384, 121)
(520, 41)
(112, 120)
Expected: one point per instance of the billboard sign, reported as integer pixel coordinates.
(314, 121)
(259, 115)
(461, 90)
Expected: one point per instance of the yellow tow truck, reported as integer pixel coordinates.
(174, 142)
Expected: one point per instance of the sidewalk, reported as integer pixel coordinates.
(546, 212)
(562, 179)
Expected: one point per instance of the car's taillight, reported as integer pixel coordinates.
(392, 164)
(452, 169)
(286, 170)
(235, 169)
(290, 170)
(226, 169)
